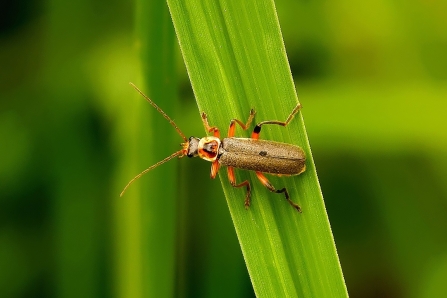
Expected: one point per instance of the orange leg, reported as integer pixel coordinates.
(209, 128)
(214, 169)
(245, 126)
(245, 183)
(215, 166)
(257, 130)
(270, 187)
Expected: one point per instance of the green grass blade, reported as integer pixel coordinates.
(158, 200)
(147, 211)
(236, 60)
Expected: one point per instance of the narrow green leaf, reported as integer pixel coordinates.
(236, 60)
(147, 212)
(157, 40)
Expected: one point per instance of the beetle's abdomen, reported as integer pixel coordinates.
(262, 156)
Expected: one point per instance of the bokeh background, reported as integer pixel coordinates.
(372, 77)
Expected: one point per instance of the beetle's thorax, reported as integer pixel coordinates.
(206, 148)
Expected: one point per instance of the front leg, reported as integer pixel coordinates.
(214, 169)
(209, 128)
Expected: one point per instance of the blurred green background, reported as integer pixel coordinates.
(372, 77)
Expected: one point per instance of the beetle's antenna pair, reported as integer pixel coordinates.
(178, 153)
(161, 112)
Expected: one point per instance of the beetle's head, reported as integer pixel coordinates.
(206, 148)
(192, 147)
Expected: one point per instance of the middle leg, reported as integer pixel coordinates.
(245, 126)
(244, 183)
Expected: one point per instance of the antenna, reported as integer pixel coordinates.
(161, 112)
(178, 153)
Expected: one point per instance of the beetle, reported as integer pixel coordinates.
(253, 154)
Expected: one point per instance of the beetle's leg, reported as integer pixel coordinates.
(257, 130)
(209, 128)
(245, 183)
(245, 126)
(270, 187)
(214, 169)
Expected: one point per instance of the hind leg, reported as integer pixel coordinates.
(270, 187)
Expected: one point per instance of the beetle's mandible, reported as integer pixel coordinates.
(253, 154)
